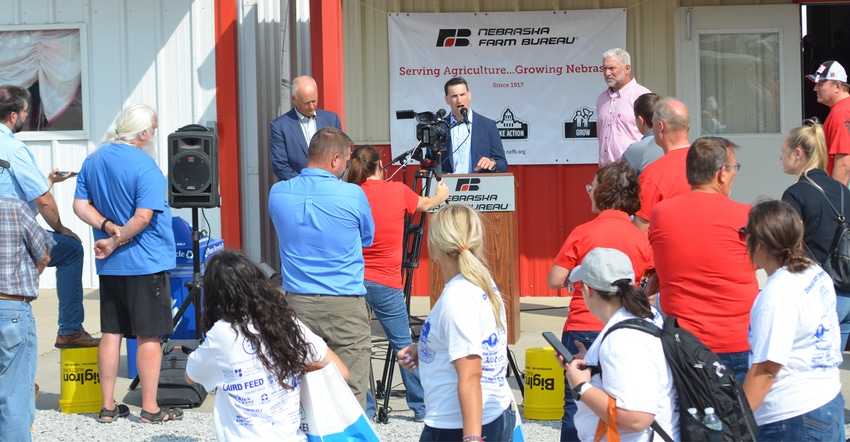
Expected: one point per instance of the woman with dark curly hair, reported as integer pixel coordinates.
(614, 195)
(255, 353)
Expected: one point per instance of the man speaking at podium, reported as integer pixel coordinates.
(473, 144)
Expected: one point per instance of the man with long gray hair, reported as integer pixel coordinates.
(121, 194)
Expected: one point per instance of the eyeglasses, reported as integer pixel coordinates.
(588, 187)
(736, 166)
(742, 234)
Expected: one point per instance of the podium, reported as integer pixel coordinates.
(494, 196)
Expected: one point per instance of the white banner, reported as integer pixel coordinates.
(537, 74)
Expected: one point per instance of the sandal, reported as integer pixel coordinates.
(164, 415)
(120, 410)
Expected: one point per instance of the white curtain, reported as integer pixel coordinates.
(50, 57)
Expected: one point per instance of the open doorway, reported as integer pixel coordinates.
(826, 36)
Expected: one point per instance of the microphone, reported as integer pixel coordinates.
(465, 114)
(401, 157)
(5, 164)
(405, 115)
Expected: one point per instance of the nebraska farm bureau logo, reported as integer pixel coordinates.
(469, 191)
(503, 36)
(453, 37)
(467, 184)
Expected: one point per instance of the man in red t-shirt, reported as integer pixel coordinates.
(832, 90)
(707, 279)
(665, 177)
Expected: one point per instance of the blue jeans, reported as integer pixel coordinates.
(739, 363)
(388, 305)
(842, 304)
(500, 430)
(822, 424)
(18, 355)
(568, 427)
(67, 257)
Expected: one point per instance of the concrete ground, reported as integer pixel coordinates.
(537, 315)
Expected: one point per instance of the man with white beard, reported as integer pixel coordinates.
(121, 194)
(26, 182)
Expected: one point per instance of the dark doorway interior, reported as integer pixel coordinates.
(828, 38)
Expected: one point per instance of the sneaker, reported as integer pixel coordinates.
(81, 339)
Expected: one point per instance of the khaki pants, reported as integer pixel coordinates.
(344, 323)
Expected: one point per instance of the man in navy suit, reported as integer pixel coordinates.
(475, 145)
(291, 132)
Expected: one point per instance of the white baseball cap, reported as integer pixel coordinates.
(602, 267)
(829, 70)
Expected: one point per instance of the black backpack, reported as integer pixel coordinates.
(837, 262)
(173, 390)
(701, 381)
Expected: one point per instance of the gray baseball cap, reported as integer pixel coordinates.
(602, 267)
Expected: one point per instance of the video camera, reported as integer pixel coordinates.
(432, 130)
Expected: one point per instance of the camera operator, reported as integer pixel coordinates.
(474, 144)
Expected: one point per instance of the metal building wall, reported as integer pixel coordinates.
(158, 52)
(551, 199)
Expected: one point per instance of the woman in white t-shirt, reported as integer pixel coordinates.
(634, 372)
(255, 353)
(462, 351)
(793, 383)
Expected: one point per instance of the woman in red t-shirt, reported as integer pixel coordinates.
(614, 196)
(390, 202)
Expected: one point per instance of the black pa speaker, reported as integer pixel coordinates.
(193, 167)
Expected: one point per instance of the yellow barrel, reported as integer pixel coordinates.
(80, 380)
(544, 385)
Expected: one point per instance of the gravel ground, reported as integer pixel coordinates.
(52, 425)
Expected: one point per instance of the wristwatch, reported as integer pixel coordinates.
(580, 389)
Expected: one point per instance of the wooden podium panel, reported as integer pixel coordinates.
(501, 246)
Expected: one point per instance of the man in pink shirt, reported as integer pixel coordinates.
(615, 118)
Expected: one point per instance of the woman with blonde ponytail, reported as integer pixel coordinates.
(804, 155)
(463, 346)
(793, 383)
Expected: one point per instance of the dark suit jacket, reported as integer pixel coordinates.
(287, 146)
(485, 143)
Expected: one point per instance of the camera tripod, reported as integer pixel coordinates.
(412, 247)
(195, 286)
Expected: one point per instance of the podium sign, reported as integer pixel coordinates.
(484, 192)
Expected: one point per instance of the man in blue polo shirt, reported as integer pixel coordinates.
(26, 182)
(323, 224)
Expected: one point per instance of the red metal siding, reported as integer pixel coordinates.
(551, 201)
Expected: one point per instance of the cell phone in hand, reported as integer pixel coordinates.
(558, 346)
(66, 173)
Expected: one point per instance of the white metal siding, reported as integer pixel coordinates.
(158, 52)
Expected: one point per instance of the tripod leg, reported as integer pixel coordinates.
(388, 385)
